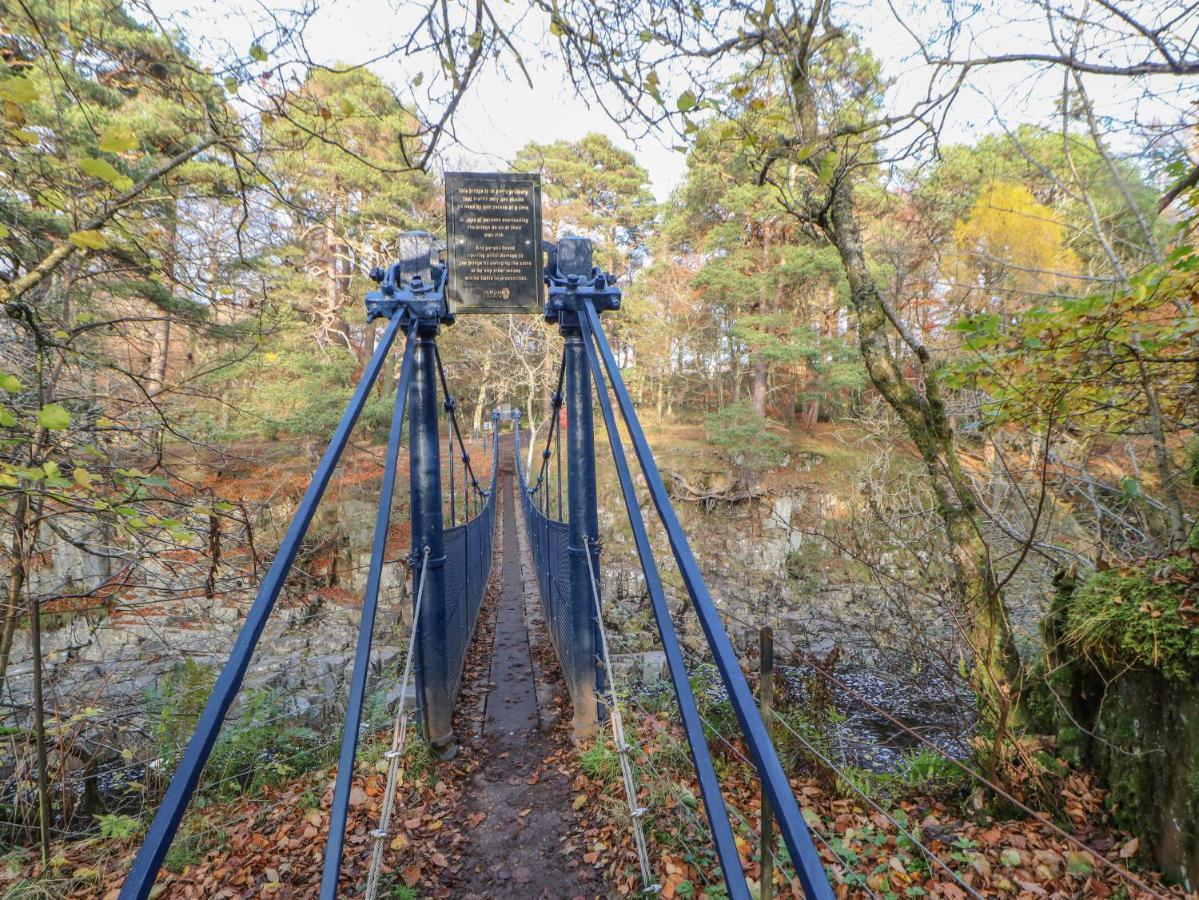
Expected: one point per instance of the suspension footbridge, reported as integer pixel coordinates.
(453, 514)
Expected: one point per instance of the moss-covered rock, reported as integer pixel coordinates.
(1137, 616)
(1121, 694)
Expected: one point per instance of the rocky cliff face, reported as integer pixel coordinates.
(106, 656)
(1122, 697)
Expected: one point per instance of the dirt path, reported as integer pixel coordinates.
(518, 806)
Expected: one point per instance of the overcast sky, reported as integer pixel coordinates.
(501, 113)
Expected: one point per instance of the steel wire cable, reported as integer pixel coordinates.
(846, 779)
(399, 737)
(622, 748)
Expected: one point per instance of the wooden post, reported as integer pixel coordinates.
(766, 703)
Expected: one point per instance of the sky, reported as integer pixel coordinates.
(502, 113)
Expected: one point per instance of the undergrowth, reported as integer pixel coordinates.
(1138, 616)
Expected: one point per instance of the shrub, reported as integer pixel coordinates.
(744, 440)
(259, 744)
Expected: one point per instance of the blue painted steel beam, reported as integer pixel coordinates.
(428, 532)
(701, 757)
(786, 810)
(583, 520)
(140, 879)
(370, 602)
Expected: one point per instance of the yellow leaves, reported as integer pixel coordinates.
(17, 89)
(53, 417)
(118, 139)
(1010, 242)
(579, 802)
(105, 171)
(88, 240)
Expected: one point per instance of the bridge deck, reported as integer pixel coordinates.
(521, 796)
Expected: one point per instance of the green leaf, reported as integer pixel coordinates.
(53, 417)
(230, 84)
(18, 90)
(88, 240)
(7, 419)
(10, 382)
(686, 101)
(420, 77)
(106, 171)
(1078, 864)
(828, 167)
(118, 139)
(346, 107)
(4, 232)
(257, 53)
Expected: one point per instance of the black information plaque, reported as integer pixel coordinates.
(493, 233)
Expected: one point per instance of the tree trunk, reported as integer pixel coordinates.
(547, 392)
(16, 581)
(160, 351)
(759, 368)
(757, 387)
(923, 415)
(810, 414)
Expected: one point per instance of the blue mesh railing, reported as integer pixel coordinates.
(468, 559)
(548, 540)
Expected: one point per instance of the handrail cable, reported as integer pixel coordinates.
(140, 880)
(339, 809)
(786, 809)
(542, 473)
(701, 757)
(622, 746)
(399, 739)
(451, 408)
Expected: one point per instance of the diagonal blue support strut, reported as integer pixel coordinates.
(786, 810)
(140, 879)
(701, 757)
(362, 654)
